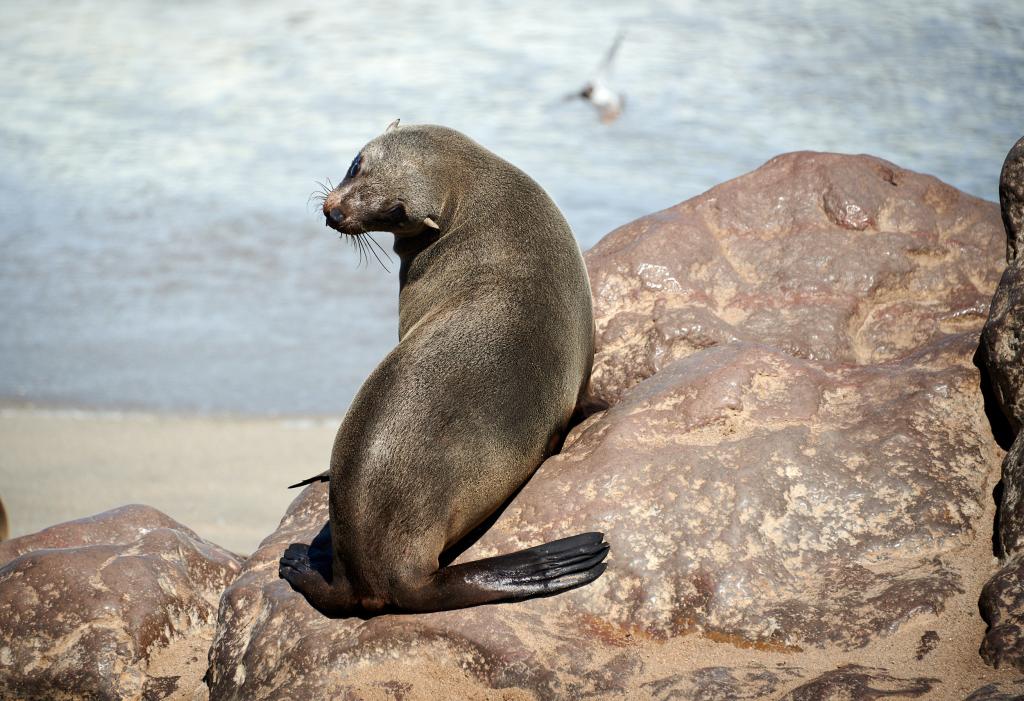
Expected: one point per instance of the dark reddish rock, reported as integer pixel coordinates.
(1011, 200)
(1003, 336)
(822, 256)
(1002, 351)
(1011, 506)
(853, 683)
(118, 605)
(1003, 344)
(929, 639)
(1002, 607)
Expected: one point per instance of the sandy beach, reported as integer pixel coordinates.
(224, 478)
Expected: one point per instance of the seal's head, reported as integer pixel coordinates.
(387, 188)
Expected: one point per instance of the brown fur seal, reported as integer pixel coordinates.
(495, 349)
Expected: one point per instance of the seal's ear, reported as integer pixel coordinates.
(431, 223)
(393, 125)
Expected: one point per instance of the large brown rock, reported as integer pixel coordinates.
(116, 606)
(750, 493)
(796, 469)
(270, 644)
(825, 257)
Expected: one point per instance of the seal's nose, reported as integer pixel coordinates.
(336, 215)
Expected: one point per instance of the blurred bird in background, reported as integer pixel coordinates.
(608, 103)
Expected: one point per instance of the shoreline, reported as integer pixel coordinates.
(223, 476)
(10, 404)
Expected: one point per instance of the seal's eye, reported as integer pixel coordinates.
(353, 169)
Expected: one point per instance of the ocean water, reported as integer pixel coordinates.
(158, 249)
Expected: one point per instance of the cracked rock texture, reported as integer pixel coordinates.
(120, 605)
(795, 473)
(1002, 352)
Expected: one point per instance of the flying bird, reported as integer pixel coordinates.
(608, 103)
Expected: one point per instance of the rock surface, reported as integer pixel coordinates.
(116, 606)
(998, 691)
(1002, 606)
(1002, 347)
(1003, 336)
(1011, 507)
(1003, 343)
(822, 256)
(796, 469)
(853, 683)
(774, 499)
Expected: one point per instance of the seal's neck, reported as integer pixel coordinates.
(412, 250)
(409, 248)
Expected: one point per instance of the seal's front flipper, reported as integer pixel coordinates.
(308, 569)
(539, 571)
(324, 476)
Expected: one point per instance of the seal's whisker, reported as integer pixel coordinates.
(365, 249)
(359, 250)
(315, 197)
(379, 247)
(320, 195)
(363, 259)
(350, 243)
(374, 243)
(382, 250)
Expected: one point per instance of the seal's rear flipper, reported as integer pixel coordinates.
(538, 571)
(324, 476)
